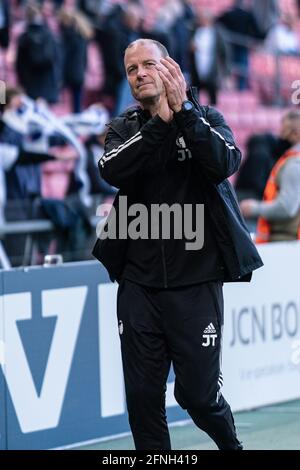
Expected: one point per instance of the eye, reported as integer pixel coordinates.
(131, 69)
(150, 64)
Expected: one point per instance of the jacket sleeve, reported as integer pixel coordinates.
(123, 161)
(211, 143)
(286, 204)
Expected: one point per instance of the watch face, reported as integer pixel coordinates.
(187, 105)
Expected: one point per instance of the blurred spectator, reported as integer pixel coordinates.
(240, 22)
(210, 56)
(24, 178)
(23, 182)
(182, 31)
(121, 27)
(91, 121)
(76, 32)
(23, 172)
(92, 8)
(174, 26)
(283, 38)
(279, 212)
(266, 13)
(38, 60)
(4, 34)
(48, 11)
(4, 24)
(256, 167)
(58, 3)
(95, 150)
(8, 156)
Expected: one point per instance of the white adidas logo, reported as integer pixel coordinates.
(209, 334)
(210, 329)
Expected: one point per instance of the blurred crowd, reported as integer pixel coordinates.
(52, 130)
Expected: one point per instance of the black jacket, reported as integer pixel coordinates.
(141, 159)
(74, 56)
(4, 30)
(38, 63)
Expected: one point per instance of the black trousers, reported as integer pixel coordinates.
(182, 326)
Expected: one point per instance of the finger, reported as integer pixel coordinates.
(171, 69)
(167, 74)
(174, 76)
(172, 61)
(166, 81)
(174, 91)
(175, 67)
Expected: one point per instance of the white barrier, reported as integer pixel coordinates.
(261, 342)
(261, 345)
(61, 378)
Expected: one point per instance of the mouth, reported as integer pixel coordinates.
(143, 84)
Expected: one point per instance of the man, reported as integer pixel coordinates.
(121, 26)
(38, 62)
(210, 55)
(279, 212)
(4, 23)
(241, 27)
(171, 150)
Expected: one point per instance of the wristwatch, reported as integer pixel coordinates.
(187, 106)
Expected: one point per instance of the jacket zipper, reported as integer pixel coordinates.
(162, 246)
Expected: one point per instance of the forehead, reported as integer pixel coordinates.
(140, 53)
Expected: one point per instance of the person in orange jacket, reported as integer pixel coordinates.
(279, 212)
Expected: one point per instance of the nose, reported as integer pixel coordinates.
(141, 72)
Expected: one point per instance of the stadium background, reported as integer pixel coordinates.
(257, 109)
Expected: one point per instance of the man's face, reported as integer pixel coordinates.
(142, 75)
(286, 131)
(15, 102)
